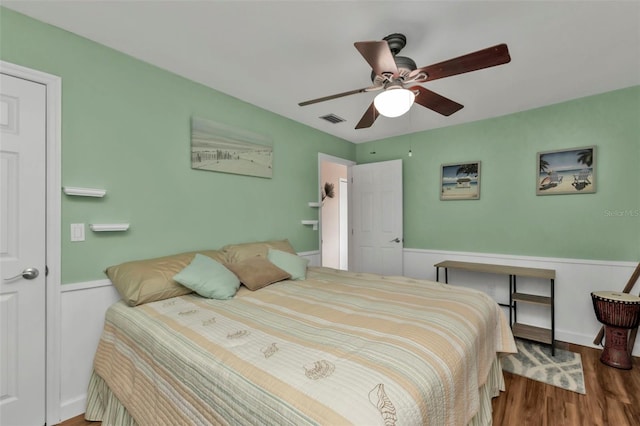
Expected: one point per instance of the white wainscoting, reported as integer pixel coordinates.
(313, 256)
(84, 305)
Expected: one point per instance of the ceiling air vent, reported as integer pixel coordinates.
(332, 118)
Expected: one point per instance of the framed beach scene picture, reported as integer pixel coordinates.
(218, 147)
(566, 171)
(460, 181)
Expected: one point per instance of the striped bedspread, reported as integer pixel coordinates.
(337, 348)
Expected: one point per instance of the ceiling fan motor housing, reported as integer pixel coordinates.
(405, 66)
(396, 42)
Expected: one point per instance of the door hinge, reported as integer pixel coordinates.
(46, 270)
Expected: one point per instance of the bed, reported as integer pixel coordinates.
(329, 348)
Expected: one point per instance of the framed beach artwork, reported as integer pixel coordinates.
(460, 181)
(218, 147)
(566, 171)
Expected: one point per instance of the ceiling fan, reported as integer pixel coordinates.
(395, 76)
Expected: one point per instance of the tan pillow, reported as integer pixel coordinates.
(144, 281)
(239, 252)
(257, 272)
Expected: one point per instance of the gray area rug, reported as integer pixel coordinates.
(534, 361)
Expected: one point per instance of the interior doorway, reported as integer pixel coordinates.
(333, 175)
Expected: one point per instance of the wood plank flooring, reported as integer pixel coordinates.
(612, 399)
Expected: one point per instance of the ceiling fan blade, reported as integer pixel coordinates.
(368, 118)
(378, 55)
(340, 95)
(435, 102)
(489, 57)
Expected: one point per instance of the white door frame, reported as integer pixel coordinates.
(345, 196)
(53, 222)
(331, 159)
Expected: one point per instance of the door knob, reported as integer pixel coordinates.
(27, 274)
(395, 240)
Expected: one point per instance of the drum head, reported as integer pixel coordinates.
(616, 296)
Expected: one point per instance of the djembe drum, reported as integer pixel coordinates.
(619, 312)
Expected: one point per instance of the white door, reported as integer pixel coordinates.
(22, 251)
(377, 217)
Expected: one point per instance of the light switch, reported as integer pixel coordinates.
(77, 232)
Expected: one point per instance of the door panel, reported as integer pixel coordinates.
(377, 230)
(22, 246)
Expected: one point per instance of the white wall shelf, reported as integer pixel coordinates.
(84, 192)
(313, 223)
(109, 227)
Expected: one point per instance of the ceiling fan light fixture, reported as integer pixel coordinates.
(394, 102)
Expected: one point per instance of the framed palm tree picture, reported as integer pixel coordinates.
(566, 171)
(460, 181)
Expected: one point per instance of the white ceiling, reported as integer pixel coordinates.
(275, 54)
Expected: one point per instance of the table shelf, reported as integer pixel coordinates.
(526, 331)
(531, 298)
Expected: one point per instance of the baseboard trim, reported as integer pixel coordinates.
(73, 407)
(575, 338)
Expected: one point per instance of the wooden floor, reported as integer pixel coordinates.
(612, 399)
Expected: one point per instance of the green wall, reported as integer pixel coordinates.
(509, 218)
(126, 128)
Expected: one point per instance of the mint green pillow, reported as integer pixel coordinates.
(208, 278)
(294, 265)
